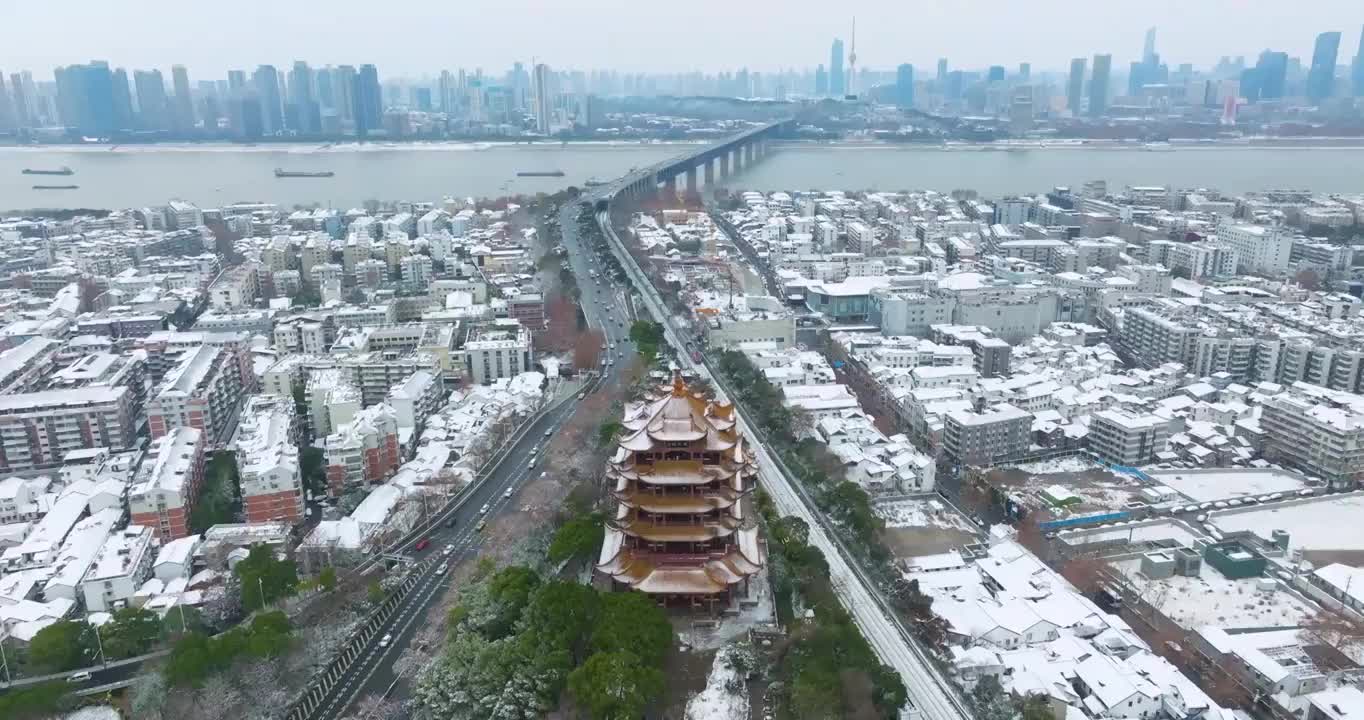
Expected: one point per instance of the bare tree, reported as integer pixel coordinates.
(1087, 574)
(1340, 629)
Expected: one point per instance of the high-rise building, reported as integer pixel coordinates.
(85, 98)
(23, 114)
(236, 80)
(1321, 78)
(184, 104)
(343, 82)
(995, 74)
(1273, 74)
(7, 117)
(1148, 48)
(821, 81)
(368, 100)
(904, 86)
(1357, 72)
(266, 80)
(1098, 85)
(837, 80)
(540, 80)
(1075, 86)
(447, 91)
(123, 101)
(1024, 72)
(326, 92)
(305, 114)
(942, 71)
(151, 100)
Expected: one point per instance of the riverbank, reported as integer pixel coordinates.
(307, 148)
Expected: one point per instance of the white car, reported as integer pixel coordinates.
(449, 549)
(483, 510)
(385, 640)
(508, 493)
(443, 567)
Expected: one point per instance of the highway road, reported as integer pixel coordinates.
(930, 694)
(605, 306)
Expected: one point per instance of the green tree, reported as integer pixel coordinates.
(327, 578)
(608, 432)
(562, 614)
(631, 621)
(265, 578)
(1035, 707)
(131, 632)
(615, 686)
(182, 620)
(510, 590)
(63, 645)
(269, 636)
(579, 537)
(36, 701)
(987, 700)
(374, 592)
(311, 467)
(191, 660)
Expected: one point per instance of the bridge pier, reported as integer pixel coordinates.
(748, 151)
(691, 182)
(670, 188)
(724, 165)
(710, 173)
(738, 160)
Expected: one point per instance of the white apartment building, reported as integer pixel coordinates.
(1002, 432)
(415, 399)
(1318, 431)
(124, 562)
(498, 350)
(861, 238)
(301, 336)
(1126, 438)
(417, 271)
(235, 287)
(1200, 260)
(1262, 249)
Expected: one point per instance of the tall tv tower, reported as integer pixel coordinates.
(852, 61)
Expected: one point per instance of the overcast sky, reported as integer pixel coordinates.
(419, 37)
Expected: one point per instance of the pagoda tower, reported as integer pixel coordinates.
(683, 529)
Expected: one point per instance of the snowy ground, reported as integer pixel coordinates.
(1072, 464)
(1207, 486)
(1212, 599)
(760, 611)
(94, 712)
(1331, 522)
(726, 693)
(921, 513)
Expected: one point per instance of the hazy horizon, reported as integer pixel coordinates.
(415, 38)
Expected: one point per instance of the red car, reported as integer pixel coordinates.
(422, 544)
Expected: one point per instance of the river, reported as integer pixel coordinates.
(212, 175)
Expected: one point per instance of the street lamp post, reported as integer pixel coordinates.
(260, 583)
(100, 643)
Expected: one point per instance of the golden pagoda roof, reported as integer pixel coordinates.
(681, 416)
(648, 573)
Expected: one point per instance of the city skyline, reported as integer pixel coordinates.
(53, 38)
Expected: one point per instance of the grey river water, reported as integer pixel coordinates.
(213, 175)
